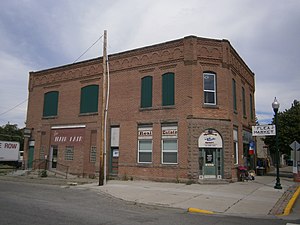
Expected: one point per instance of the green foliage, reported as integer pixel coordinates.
(288, 129)
(44, 173)
(11, 132)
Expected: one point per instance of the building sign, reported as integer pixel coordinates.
(210, 139)
(264, 130)
(145, 133)
(169, 132)
(72, 136)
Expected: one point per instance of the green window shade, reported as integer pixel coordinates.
(146, 93)
(50, 104)
(234, 94)
(251, 107)
(89, 99)
(168, 89)
(244, 101)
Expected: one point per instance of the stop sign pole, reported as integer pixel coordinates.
(295, 146)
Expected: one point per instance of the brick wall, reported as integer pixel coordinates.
(187, 58)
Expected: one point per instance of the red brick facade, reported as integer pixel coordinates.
(187, 59)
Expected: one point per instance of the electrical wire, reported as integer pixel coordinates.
(73, 62)
(13, 107)
(88, 49)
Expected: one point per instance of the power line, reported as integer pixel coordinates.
(13, 107)
(88, 48)
(73, 62)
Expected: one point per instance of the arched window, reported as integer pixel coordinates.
(50, 104)
(146, 92)
(89, 99)
(168, 89)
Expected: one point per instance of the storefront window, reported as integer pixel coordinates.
(169, 145)
(235, 147)
(145, 144)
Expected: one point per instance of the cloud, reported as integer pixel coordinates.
(13, 89)
(38, 35)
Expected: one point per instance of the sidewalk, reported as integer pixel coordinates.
(254, 198)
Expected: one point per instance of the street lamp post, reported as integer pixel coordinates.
(275, 106)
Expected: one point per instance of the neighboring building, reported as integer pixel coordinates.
(178, 110)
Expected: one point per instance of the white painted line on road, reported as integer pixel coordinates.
(292, 224)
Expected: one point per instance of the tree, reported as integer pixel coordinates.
(288, 129)
(11, 132)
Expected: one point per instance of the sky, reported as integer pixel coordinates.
(41, 34)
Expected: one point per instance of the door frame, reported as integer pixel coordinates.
(211, 140)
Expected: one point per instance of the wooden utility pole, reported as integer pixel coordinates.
(102, 179)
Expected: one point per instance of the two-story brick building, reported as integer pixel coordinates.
(178, 110)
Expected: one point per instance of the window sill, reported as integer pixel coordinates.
(175, 165)
(210, 106)
(144, 164)
(49, 117)
(88, 114)
(157, 108)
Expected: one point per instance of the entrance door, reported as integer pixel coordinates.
(210, 165)
(53, 157)
(114, 161)
(30, 156)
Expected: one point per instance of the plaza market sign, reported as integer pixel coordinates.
(264, 130)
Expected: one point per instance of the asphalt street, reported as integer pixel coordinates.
(23, 203)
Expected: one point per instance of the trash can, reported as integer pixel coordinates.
(260, 171)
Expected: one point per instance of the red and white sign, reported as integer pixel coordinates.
(71, 137)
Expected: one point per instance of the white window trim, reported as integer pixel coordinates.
(145, 151)
(162, 151)
(212, 91)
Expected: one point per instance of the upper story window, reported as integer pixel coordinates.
(50, 104)
(234, 95)
(244, 101)
(168, 89)
(251, 107)
(146, 92)
(209, 88)
(89, 99)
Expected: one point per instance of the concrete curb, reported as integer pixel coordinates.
(291, 203)
(195, 210)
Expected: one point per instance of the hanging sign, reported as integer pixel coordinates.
(264, 130)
